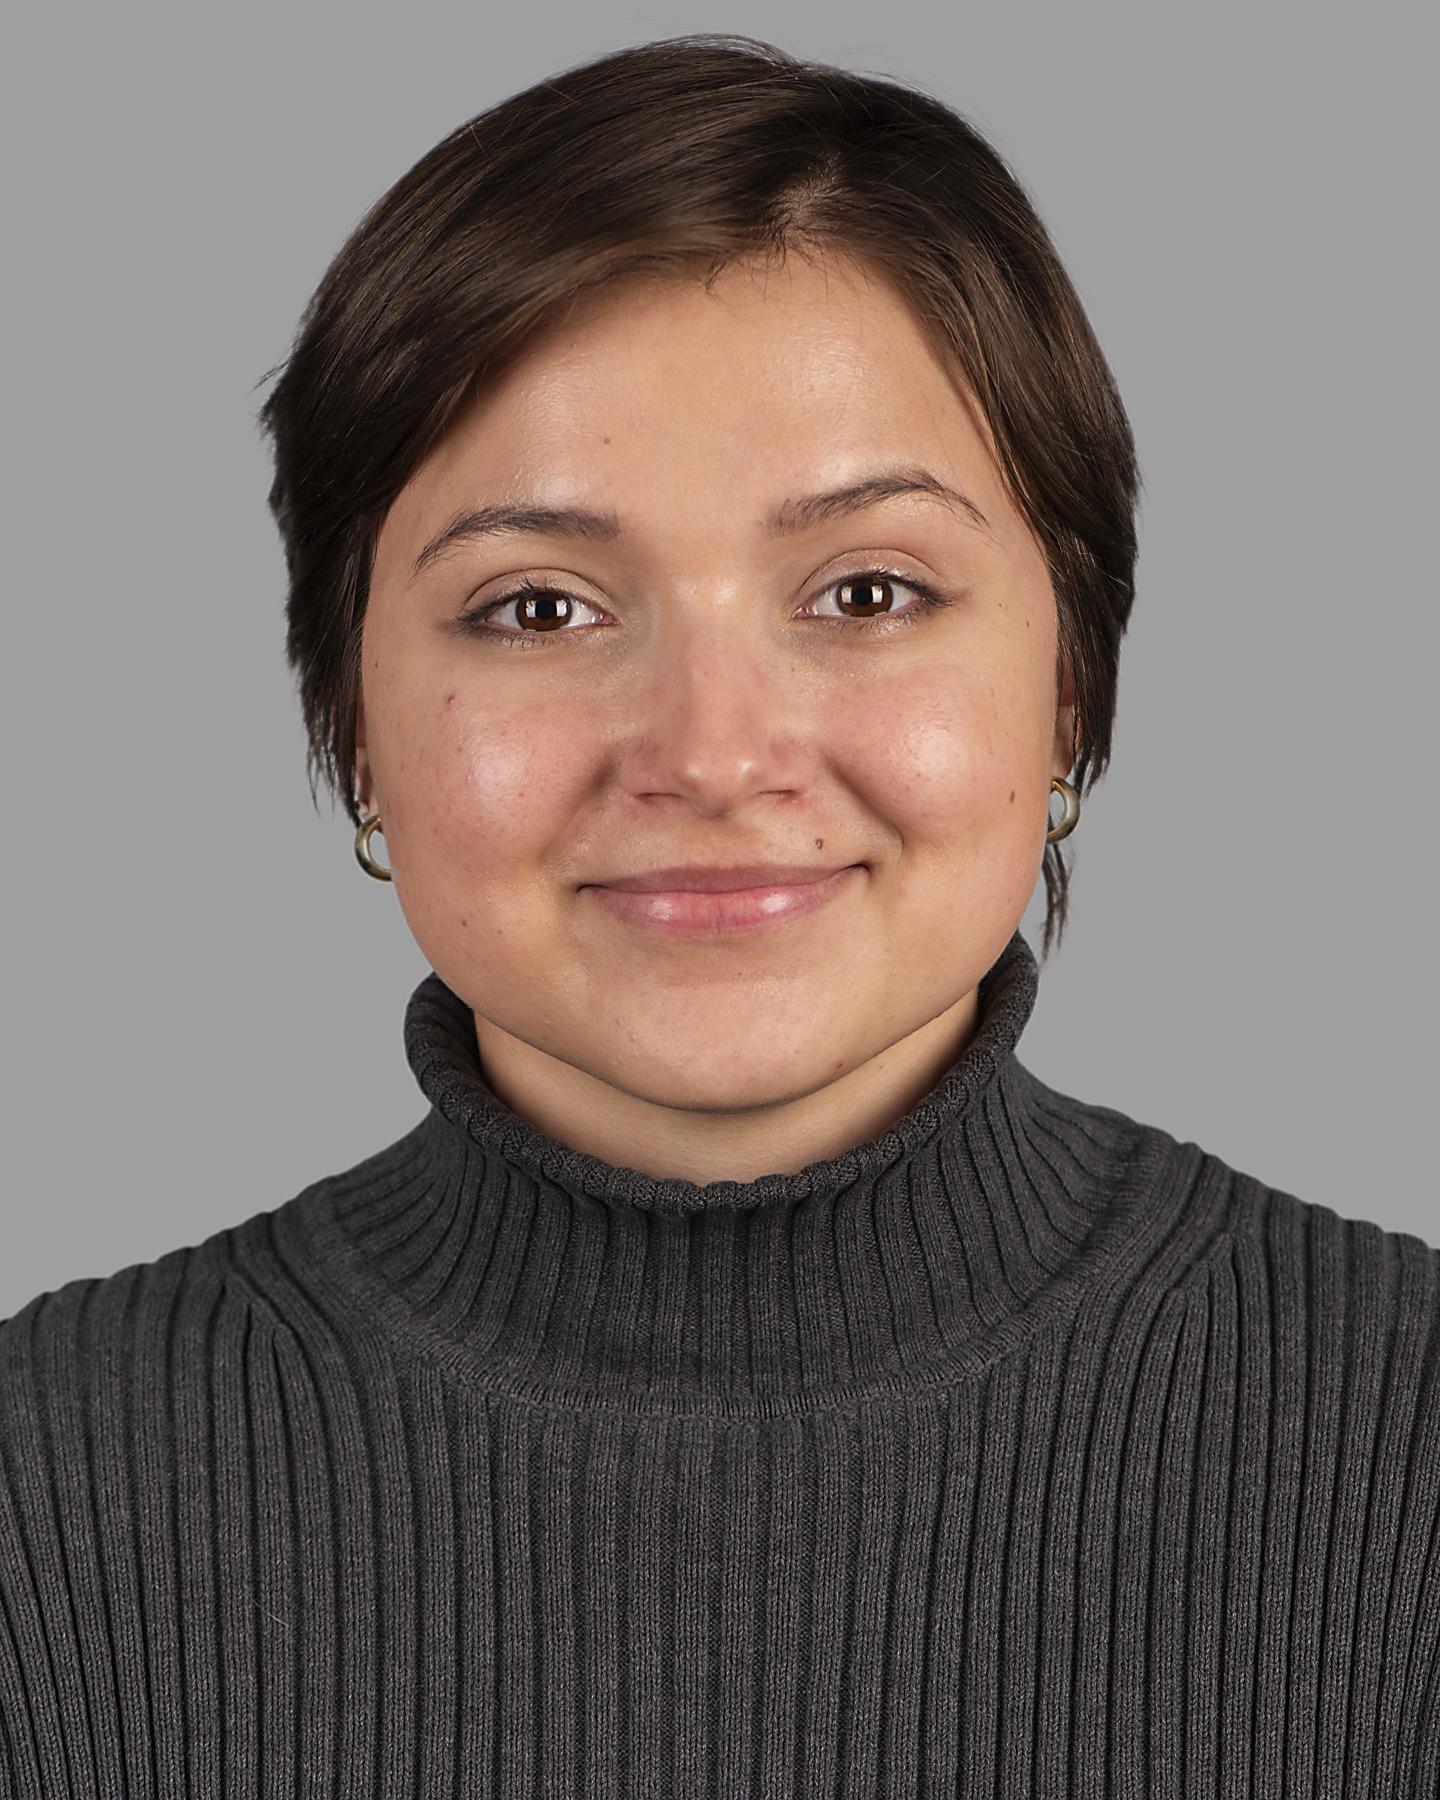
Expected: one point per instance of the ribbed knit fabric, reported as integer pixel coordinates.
(1020, 1450)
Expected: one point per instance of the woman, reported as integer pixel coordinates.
(747, 1378)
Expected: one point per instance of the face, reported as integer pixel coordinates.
(692, 685)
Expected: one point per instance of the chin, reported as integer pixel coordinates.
(723, 1082)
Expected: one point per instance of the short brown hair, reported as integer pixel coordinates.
(681, 157)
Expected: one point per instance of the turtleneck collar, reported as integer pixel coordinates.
(538, 1268)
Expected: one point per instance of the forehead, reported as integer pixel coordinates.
(672, 401)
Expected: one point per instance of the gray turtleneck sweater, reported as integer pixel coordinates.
(1020, 1450)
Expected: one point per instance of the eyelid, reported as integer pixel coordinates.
(544, 584)
(929, 595)
(872, 572)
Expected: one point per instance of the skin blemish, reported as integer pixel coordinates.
(1012, 796)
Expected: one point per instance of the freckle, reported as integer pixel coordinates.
(1012, 796)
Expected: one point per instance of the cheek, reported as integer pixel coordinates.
(946, 755)
(479, 790)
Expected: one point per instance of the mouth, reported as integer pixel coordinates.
(700, 878)
(691, 913)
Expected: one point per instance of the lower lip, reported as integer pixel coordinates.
(690, 915)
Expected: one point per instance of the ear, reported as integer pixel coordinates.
(362, 762)
(1065, 748)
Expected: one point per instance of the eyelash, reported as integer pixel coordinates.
(931, 600)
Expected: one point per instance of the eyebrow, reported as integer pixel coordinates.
(801, 513)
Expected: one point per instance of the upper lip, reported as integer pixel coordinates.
(698, 879)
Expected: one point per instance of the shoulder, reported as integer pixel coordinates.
(105, 1355)
(1313, 1305)
(195, 1317)
(70, 1349)
(1339, 1264)
(1293, 1272)
(1309, 1337)
(1188, 1212)
(132, 1399)
(165, 1348)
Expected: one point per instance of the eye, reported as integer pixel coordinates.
(870, 588)
(544, 608)
(548, 611)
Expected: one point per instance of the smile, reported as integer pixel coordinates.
(688, 915)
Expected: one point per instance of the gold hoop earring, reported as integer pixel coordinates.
(1071, 815)
(368, 828)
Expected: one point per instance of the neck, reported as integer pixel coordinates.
(559, 1274)
(732, 1143)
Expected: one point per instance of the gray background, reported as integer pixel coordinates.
(204, 995)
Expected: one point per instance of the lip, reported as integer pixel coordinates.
(689, 913)
(696, 879)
